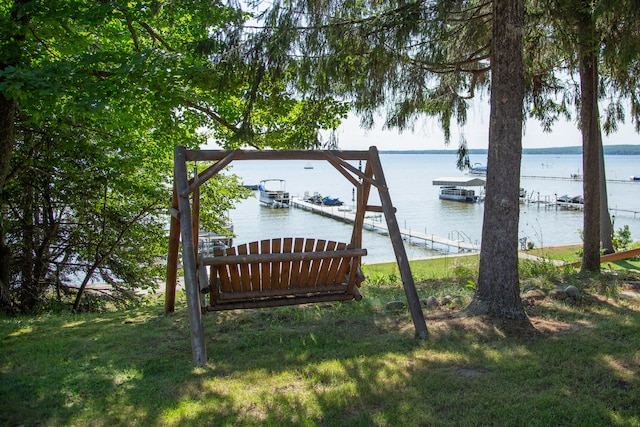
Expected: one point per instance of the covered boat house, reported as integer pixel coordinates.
(457, 188)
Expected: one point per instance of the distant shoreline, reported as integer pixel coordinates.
(609, 150)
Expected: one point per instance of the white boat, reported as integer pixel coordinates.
(456, 188)
(478, 169)
(458, 194)
(273, 198)
(522, 195)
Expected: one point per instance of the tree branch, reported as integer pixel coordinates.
(211, 114)
(155, 36)
(134, 35)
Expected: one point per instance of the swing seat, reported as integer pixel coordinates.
(282, 271)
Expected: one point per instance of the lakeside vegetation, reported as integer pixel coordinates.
(94, 97)
(354, 363)
(609, 150)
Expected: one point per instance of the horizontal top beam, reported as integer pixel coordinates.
(212, 155)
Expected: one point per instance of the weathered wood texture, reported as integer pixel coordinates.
(282, 271)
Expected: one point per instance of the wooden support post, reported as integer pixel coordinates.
(358, 220)
(188, 259)
(195, 220)
(172, 258)
(364, 189)
(398, 247)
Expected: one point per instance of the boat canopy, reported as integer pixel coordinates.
(462, 181)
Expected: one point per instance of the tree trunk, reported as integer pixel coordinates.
(12, 45)
(590, 144)
(7, 141)
(498, 291)
(606, 227)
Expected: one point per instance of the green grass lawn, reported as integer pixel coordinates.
(456, 265)
(352, 363)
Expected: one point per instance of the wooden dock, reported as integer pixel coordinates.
(571, 178)
(376, 223)
(548, 202)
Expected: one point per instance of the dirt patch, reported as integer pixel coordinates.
(541, 320)
(456, 323)
(550, 326)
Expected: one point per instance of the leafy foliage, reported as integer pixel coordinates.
(410, 58)
(622, 238)
(95, 95)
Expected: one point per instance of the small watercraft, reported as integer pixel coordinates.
(273, 198)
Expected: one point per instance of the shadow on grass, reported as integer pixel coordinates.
(334, 364)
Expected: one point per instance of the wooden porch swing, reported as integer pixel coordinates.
(281, 271)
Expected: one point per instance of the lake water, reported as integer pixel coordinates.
(409, 178)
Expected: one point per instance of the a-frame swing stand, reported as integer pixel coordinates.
(278, 271)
